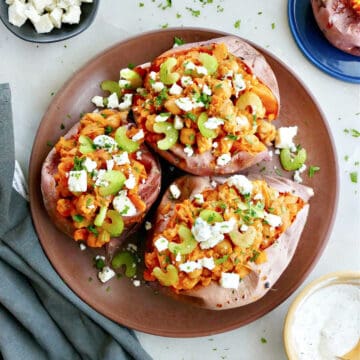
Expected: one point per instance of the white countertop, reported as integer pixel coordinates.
(35, 71)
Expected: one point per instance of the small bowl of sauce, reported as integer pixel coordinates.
(323, 322)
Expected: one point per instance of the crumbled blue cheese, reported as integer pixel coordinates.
(207, 262)
(77, 181)
(124, 83)
(242, 184)
(153, 75)
(138, 155)
(184, 103)
(178, 122)
(186, 81)
(242, 121)
(199, 198)
(258, 196)
(190, 266)
(89, 164)
(98, 101)
(244, 228)
(105, 142)
(175, 191)
(113, 101)
(110, 164)
(130, 182)
(297, 174)
(239, 84)
(139, 135)
(223, 159)
(106, 274)
(162, 117)
(273, 220)
(284, 138)
(122, 158)
(229, 280)
(123, 205)
(157, 86)
(189, 151)
(201, 70)
(161, 243)
(206, 90)
(175, 89)
(189, 65)
(82, 247)
(213, 123)
(136, 283)
(127, 102)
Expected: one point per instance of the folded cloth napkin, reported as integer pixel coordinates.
(40, 317)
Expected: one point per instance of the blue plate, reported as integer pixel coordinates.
(315, 46)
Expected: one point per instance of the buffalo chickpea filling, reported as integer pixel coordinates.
(206, 100)
(99, 175)
(217, 234)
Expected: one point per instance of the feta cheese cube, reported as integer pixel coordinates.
(77, 181)
(123, 205)
(122, 158)
(98, 101)
(175, 191)
(89, 165)
(175, 89)
(157, 86)
(72, 15)
(106, 274)
(16, 13)
(190, 266)
(56, 16)
(161, 243)
(229, 280)
(284, 137)
(40, 5)
(113, 101)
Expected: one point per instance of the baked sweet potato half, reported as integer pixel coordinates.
(339, 20)
(222, 243)
(99, 180)
(207, 107)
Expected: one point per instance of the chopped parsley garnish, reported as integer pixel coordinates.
(78, 218)
(232, 137)
(126, 209)
(263, 340)
(161, 97)
(218, 86)
(103, 115)
(178, 41)
(237, 24)
(313, 170)
(354, 177)
(255, 256)
(221, 260)
(77, 164)
(49, 143)
(194, 12)
(278, 172)
(108, 130)
(99, 263)
(93, 229)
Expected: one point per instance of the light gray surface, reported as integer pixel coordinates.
(35, 72)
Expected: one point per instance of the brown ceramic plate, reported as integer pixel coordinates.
(139, 308)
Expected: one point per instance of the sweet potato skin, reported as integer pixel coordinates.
(148, 191)
(262, 276)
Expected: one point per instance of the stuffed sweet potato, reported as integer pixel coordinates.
(99, 180)
(207, 107)
(220, 242)
(339, 20)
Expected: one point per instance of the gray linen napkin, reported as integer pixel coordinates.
(40, 317)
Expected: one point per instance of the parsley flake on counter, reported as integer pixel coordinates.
(354, 177)
(353, 132)
(237, 24)
(178, 15)
(194, 12)
(141, 4)
(62, 126)
(346, 157)
(164, 26)
(263, 340)
(259, 13)
(313, 170)
(273, 26)
(219, 8)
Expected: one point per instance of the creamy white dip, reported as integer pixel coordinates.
(327, 324)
